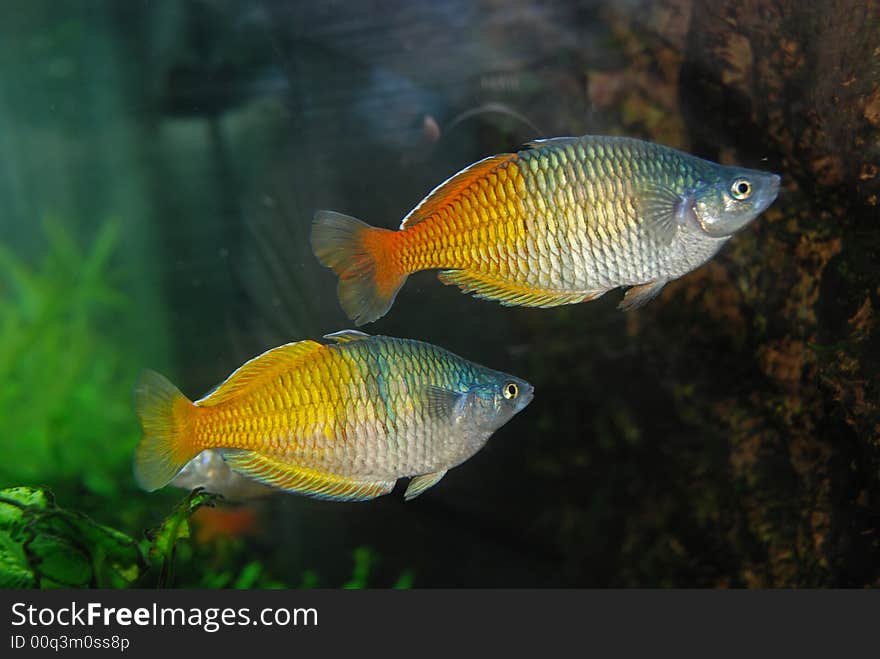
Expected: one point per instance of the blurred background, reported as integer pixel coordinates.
(160, 163)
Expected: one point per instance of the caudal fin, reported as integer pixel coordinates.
(166, 417)
(359, 255)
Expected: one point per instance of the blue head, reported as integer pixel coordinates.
(496, 398)
(731, 198)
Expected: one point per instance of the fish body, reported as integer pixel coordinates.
(563, 221)
(341, 421)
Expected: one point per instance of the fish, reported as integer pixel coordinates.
(341, 420)
(209, 471)
(563, 221)
(226, 522)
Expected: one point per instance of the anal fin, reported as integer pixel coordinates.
(302, 480)
(638, 296)
(421, 483)
(510, 294)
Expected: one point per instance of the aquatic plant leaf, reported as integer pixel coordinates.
(404, 581)
(59, 562)
(15, 500)
(55, 339)
(42, 545)
(14, 571)
(215, 580)
(163, 539)
(364, 560)
(309, 580)
(250, 573)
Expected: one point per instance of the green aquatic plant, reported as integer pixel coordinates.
(365, 560)
(253, 574)
(65, 372)
(164, 539)
(44, 546)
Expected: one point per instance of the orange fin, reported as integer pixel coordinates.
(359, 255)
(166, 417)
(302, 480)
(486, 287)
(260, 367)
(452, 187)
(638, 296)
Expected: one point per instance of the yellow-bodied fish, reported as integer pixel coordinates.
(563, 221)
(341, 421)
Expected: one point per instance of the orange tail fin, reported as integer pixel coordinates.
(358, 254)
(166, 417)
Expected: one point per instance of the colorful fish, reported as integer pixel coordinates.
(225, 522)
(563, 221)
(208, 470)
(341, 421)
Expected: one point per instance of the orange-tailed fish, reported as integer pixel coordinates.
(339, 421)
(563, 221)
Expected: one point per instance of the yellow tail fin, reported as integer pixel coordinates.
(166, 417)
(359, 255)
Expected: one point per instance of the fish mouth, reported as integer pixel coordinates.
(528, 393)
(769, 194)
(773, 186)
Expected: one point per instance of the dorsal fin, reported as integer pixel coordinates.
(452, 187)
(264, 365)
(551, 141)
(347, 335)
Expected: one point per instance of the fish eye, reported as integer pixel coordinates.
(741, 189)
(510, 390)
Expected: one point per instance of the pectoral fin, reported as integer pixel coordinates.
(663, 211)
(638, 296)
(421, 483)
(444, 403)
